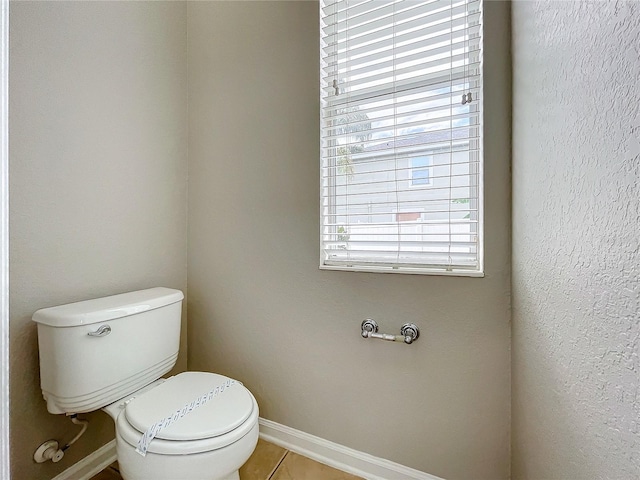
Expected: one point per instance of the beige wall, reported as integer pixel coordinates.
(98, 145)
(576, 211)
(261, 311)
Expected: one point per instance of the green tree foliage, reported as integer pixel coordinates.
(354, 125)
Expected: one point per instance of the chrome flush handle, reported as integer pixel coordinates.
(103, 331)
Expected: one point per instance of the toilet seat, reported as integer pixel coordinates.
(217, 423)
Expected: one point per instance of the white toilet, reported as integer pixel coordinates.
(109, 353)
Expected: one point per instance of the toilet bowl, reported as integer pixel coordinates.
(110, 353)
(211, 443)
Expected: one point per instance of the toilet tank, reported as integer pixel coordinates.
(95, 352)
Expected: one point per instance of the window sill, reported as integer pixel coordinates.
(405, 270)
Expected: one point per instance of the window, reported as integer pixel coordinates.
(401, 160)
(420, 170)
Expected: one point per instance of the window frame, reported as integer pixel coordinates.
(338, 100)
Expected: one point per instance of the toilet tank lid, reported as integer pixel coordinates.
(107, 308)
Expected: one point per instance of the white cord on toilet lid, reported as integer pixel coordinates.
(153, 430)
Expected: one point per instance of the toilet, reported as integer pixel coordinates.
(110, 353)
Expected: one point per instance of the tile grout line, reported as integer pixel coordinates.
(273, 472)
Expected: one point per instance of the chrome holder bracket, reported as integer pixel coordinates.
(409, 332)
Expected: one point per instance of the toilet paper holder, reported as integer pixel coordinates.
(409, 332)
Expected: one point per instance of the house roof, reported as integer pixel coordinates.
(422, 139)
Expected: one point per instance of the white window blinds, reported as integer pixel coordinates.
(401, 163)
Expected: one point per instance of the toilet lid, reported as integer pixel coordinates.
(218, 416)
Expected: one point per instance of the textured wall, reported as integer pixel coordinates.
(260, 309)
(576, 217)
(98, 145)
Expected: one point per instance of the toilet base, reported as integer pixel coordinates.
(232, 476)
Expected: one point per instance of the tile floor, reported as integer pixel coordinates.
(268, 462)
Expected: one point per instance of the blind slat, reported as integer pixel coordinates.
(383, 19)
(420, 95)
(393, 123)
(387, 61)
(436, 136)
(374, 41)
(359, 90)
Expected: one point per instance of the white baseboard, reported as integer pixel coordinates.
(91, 464)
(318, 449)
(338, 456)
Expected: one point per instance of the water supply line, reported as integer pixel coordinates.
(77, 421)
(50, 450)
